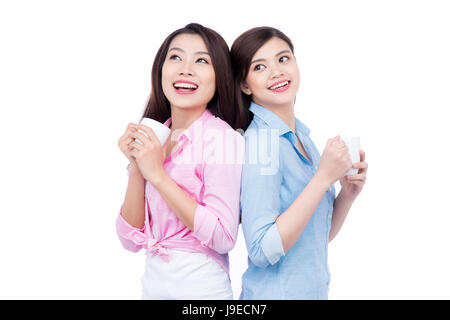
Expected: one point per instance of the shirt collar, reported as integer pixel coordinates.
(188, 133)
(274, 122)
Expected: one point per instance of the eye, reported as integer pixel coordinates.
(258, 67)
(201, 60)
(283, 59)
(175, 57)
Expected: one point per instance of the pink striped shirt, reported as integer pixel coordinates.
(207, 165)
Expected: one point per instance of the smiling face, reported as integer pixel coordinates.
(188, 77)
(273, 78)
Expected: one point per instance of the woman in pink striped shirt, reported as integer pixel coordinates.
(182, 200)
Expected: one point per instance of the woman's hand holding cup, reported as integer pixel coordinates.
(335, 161)
(124, 145)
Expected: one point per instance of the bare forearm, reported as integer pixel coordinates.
(177, 200)
(342, 206)
(293, 221)
(133, 208)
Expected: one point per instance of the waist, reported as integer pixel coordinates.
(270, 283)
(164, 247)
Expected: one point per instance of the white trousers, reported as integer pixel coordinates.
(187, 276)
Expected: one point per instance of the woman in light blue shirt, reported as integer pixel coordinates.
(288, 204)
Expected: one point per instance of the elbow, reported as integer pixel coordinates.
(218, 236)
(259, 262)
(224, 244)
(268, 250)
(129, 245)
(223, 250)
(131, 238)
(226, 247)
(257, 257)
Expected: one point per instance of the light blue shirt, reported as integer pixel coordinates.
(273, 175)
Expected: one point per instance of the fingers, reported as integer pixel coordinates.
(146, 141)
(152, 136)
(136, 145)
(334, 140)
(337, 143)
(125, 140)
(360, 183)
(141, 137)
(357, 177)
(131, 127)
(362, 155)
(360, 165)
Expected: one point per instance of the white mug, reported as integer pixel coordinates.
(160, 130)
(353, 145)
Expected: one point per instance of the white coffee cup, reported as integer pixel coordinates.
(353, 145)
(160, 130)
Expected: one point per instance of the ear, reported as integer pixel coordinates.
(245, 88)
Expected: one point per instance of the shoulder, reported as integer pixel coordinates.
(216, 126)
(259, 129)
(221, 143)
(215, 122)
(262, 150)
(256, 123)
(260, 132)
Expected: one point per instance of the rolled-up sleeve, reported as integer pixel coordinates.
(260, 207)
(131, 238)
(216, 220)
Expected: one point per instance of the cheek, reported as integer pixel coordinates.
(297, 82)
(166, 79)
(259, 86)
(296, 74)
(210, 84)
(164, 72)
(166, 88)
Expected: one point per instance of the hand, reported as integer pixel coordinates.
(149, 155)
(352, 185)
(125, 140)
(335, 160)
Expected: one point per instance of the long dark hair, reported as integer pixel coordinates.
(222, 104)
(242, 52)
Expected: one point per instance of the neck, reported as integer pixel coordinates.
(182, 118)
(285, 112)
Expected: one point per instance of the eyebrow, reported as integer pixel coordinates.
(181, 50)
(281, 52)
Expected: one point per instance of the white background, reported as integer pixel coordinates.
(73, 74)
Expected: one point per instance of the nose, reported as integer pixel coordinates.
(276, 73)
(186, 69)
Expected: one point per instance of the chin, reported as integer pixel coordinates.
(280, 101)
(185, 103)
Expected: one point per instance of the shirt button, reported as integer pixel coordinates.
(329, 216)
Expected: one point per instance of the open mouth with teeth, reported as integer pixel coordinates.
(184, 87)
(280, 86)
